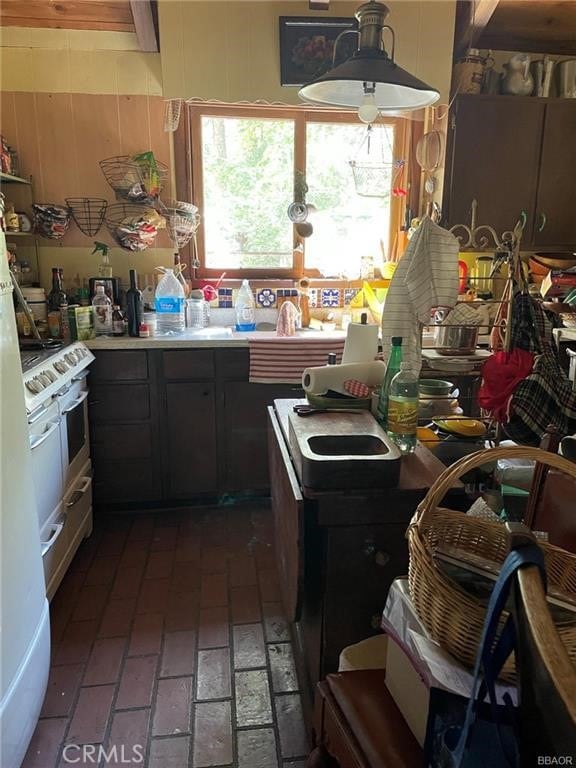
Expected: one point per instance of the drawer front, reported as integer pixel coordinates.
(131, 441)
(118, 365)
(233, 364)
(362, 562)
(188, 364)
(118, 403)
(54, 541)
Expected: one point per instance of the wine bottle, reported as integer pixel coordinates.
(133, 306)
(57, 296)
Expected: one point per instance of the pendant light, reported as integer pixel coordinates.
(370, 80)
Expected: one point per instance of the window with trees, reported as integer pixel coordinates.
(244, 162)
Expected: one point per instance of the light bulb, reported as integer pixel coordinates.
(368, 111)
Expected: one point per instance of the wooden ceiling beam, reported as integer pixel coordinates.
(109, 15)
(472, 17)
(144, 24)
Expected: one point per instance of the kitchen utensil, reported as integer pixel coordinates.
(518, 80)
(435, 387)
(462, 276)
(461, 426)
(567, 79)
(310, 410)
(297, 212)
(456, 340)
(429, 152)
(555, 260)
(304, 229)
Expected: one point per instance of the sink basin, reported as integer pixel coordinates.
(211, 332)
(347, 445)
(341, 451)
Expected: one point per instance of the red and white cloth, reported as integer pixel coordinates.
(277, 360)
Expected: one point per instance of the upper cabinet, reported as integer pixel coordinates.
(513, 154)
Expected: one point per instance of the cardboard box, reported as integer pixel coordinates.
(409, 691)
(81, 321)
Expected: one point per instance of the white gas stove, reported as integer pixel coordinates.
(46, 371)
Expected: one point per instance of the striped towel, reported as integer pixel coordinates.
(277, 360)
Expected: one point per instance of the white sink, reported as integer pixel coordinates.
(211, 332)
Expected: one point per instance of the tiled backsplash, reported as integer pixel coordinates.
(267, 297)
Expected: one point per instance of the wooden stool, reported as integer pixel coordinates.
(358, 724)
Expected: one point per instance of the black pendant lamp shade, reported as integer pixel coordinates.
(370, 72)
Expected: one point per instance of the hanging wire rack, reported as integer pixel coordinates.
(137, 181)
(172, 112)
(88, 213)
(133, 227)
(182, 220)
(373, 174)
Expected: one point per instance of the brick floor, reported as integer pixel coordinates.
(169, 640)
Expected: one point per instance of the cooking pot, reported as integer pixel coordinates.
(456, 339)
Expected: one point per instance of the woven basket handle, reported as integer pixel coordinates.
(447, 479)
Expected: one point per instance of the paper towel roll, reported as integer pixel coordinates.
(322, 378)
(361, 345)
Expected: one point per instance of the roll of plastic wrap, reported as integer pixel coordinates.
(361, 345)
(322, 378)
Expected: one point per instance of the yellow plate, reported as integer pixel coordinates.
(427, 435)
(462, 427)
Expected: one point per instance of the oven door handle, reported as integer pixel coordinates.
(44, 436)
(36, 414)
(76, 402)
(77, 493)
(81, 376)
(57, 529)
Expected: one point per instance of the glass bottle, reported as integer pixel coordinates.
(394, 361)
(402, 421)
(102, 312)
(117, 321)
(57, 296)
(134, 305)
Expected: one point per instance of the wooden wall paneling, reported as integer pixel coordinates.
(56, 144)
(27, 140)
(160, 139)
(15, 193)
(112, 15)
(134, 122)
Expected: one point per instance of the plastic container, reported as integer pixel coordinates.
(36, 300)
(197, 311)
(169, 302)
(245, 308)
(402, 420)
(102, 312)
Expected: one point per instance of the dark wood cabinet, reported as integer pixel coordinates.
(178, 424)
(338, 552)
(513, 154)
(189, 439)
(555, 219)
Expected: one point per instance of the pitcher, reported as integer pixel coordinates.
(518, 80)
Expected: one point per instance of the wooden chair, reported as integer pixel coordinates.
(546, 677)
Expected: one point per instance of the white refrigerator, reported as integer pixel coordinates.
(24, 616)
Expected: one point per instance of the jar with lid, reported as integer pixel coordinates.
(197, 310)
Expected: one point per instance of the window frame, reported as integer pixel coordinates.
(189, 182)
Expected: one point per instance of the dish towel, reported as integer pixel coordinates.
(426, 277)
(277, 360)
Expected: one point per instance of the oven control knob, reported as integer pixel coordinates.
(35, 385)
(60, 366)
(44, 379)
(52, 376)
(70, 358)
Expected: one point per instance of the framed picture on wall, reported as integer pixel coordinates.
(307, 46)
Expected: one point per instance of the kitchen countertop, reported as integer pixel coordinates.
(208, 337)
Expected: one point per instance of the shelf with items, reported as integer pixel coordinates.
(28, 239)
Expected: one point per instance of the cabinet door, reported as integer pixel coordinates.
(245, 453)
(287, 507)
(189, 440)
(361, 563)
(495, 150)
(555, 223)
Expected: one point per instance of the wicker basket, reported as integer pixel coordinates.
(453, 617)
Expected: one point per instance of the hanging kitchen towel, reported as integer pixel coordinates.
(275, 360)
(426, 277)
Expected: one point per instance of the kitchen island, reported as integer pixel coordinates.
(338, 551)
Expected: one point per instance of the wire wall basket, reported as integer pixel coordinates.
(88, 213)
(372, 167)
(182, 220)
(172, 112)
(133, 227)
(137, 179)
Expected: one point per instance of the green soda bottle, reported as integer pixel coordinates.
(403, 409)
(394, 362)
